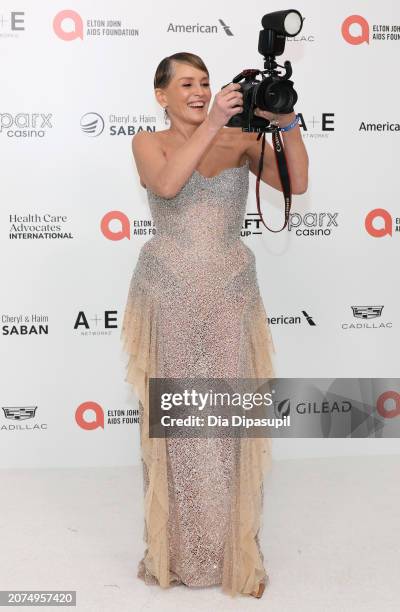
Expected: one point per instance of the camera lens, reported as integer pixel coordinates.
(275, 96)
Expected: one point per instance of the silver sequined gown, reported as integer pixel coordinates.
(194, 310)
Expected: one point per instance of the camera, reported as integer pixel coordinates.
(274, 92)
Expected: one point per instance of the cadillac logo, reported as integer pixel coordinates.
(367, 312)
(20, 413)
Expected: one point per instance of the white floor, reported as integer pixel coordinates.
(331, 539)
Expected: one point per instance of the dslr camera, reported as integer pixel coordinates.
(274, 92)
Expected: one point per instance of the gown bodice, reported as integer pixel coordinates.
(207, 214)
(197, 244)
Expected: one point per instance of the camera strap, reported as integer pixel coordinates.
(283, 174)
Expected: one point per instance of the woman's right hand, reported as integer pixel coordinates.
(227, 102)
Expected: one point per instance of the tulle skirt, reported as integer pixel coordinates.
(203, 498)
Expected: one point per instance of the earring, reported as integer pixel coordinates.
(165, 114)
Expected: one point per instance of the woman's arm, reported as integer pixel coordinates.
(163, 177)
(295, 151)
(167, 177)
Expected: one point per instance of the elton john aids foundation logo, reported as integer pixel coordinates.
(359, 30)
(69, 25)
(91, 415)
(116, 225)
(379, 223)
(356, 31)
(67, 33)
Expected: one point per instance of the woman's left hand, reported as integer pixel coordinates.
(284, 119)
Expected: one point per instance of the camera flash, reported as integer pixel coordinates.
(292, 23)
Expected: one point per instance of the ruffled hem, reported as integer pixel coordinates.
(138, 334)
(243, 568)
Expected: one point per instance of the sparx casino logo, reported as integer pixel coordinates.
(308, 225)
(25, 125)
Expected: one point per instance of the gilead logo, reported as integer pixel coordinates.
(381, 408)
(378, 213)
(360, 25)
(85, 420)
(58, 25)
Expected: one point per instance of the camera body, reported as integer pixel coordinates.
(275, 92)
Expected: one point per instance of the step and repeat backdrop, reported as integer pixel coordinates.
(76, 85)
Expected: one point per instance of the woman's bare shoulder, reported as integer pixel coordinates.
(144, 141)
(145, 135)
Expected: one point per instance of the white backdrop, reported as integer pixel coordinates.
(73, 211)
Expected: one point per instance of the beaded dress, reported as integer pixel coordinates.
(194, 309)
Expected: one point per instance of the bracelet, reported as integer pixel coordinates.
(291, 125)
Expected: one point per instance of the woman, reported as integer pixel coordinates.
(194, 309)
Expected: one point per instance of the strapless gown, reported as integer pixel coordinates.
(194, 309)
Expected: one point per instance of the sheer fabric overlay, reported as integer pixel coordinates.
(194, 309)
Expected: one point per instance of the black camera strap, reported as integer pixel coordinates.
(283, 174)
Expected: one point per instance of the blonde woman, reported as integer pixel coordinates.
(194, 309)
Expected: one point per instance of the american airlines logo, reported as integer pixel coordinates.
(199, 28)
(292, 319)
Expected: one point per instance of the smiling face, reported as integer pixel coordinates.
(187, 95)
